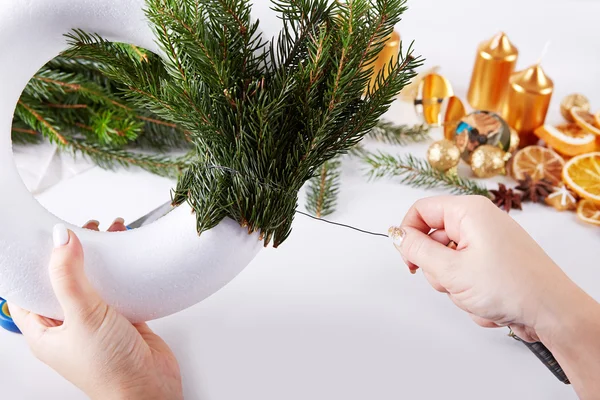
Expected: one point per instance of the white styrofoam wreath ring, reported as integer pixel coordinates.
(146, 273)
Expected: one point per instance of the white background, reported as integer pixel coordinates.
(334, 314)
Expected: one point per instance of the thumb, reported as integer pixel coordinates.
(423, 251)
(72, 288)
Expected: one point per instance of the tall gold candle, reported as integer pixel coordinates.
(527, 102)
(389, 53)
(495, 62)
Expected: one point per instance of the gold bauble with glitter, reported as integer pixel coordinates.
(515, 141)
(488, 161)
(573, 100)
(443, 155)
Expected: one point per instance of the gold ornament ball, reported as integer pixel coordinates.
(443, 155)
(573, 100)
(515, 141)
(488, 161)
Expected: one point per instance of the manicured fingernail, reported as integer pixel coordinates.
(60, 235)
(119, 221)
(397, 235)
(412, 271)
(92, 222)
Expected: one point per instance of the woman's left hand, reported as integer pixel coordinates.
(96, 348)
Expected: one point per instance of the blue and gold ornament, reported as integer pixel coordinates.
(481, 128)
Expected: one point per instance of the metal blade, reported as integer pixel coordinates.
(152, 216)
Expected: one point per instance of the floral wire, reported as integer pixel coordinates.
(342, 225)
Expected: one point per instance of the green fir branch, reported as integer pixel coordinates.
(104, 156)
(109, 158)
(401, 135)
(70, 99)
(23, 134)
(323, 189)
(418, 173)
(274, 112)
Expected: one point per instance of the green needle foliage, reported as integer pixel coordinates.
(418, 173)
(263, 115)
(323, 189)
(108, 158)
(401, 135)
(70, 102)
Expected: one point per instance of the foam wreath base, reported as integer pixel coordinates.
(145, 273)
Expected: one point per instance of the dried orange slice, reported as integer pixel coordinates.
(568, 139)
(585, 119)
(562, 198)
(539, 163)
(597, 119)
(589, 212)
(582, 175)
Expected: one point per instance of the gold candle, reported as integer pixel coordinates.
(388, 54)
(495, 62)
(527, 102)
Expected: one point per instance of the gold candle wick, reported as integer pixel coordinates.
(544, 52)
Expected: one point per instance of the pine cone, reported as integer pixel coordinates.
(535, 191)
(506, 198)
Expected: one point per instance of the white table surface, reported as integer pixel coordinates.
(334, 314)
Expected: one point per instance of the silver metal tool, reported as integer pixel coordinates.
(152, 216)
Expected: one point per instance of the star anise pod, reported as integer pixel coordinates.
(506, 198)
(535, 191)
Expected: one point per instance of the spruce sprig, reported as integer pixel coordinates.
(109, 158)
(33, 122)
(418, 173)
(71, 98)
(323, 189)
(273, 111)
(22, 133)
(401, 135)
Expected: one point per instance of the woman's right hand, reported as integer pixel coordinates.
(500, 276)
(497, 273)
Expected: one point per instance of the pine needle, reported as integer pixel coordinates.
(323, 190)
(418, 173)
(401, 135)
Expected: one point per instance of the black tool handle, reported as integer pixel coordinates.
(546, 357)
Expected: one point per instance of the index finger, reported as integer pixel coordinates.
(441, 212)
